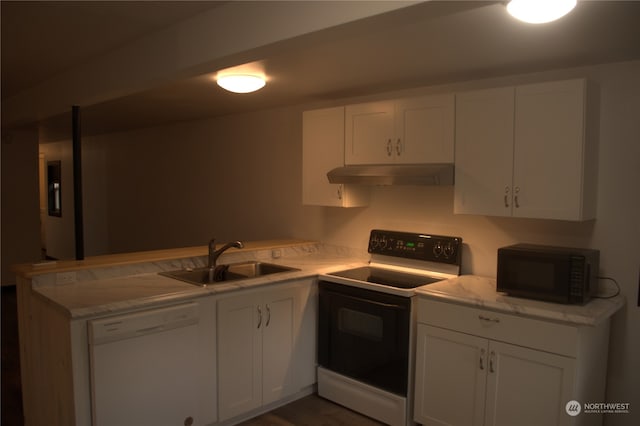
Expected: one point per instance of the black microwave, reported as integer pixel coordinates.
(554, 274)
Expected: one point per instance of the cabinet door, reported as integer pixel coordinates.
(484, 152)
(369, 133)
(450, 377)
(425, 129)
(280, 325)
(322, 151)
(239, 355)
(549, 150)
(527, 387)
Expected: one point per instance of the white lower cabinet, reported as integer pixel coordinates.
(261, 353)
(477, 367)
(527, 386)
(467, 380)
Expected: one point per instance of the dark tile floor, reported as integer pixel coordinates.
(311, 411)
(11, 389)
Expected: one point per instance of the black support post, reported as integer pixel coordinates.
(77, 182)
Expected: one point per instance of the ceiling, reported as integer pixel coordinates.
(430, 43)
(44, 38)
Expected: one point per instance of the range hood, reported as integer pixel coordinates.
(394, 174)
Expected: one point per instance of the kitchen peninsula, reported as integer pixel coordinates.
(237, 335)
(58, 302)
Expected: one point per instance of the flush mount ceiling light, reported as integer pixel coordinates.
(540, 11)
(241, 83)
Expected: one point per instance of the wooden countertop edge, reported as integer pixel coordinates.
(28, 270)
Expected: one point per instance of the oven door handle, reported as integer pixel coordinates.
(373, 302)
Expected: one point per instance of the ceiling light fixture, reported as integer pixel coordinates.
(540, 11)
(241, 83)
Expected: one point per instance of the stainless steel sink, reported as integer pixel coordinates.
(226, 273)
(256, 269)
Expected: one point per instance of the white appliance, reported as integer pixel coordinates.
(145, 368)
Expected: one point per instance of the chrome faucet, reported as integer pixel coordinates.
(215, 254)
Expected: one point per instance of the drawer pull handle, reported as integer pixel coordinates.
(487, 319)
(268, 316)
(259, 317)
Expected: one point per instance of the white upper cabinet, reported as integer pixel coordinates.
(525, 152)
(425, 129)
(553, 172)
(369, 133)
(412, 131)
(322, 151)
(484, 152)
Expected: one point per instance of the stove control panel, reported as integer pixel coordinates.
(433, 248)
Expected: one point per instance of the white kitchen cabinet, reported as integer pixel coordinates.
(478, 367)
(445, 357)
(259, 347)
(526, 151)
(410, 131)
(323, 150)
(484, 152)
(488, 382)
(524, 383)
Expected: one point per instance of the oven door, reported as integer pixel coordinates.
(364, 335)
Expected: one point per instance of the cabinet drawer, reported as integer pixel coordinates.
(529, 332)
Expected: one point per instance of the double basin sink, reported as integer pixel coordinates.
(225, 273)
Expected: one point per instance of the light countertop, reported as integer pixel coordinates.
(28, 270)
(118, 287)
(481, 292)
(116, 283)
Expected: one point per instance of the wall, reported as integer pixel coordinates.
(234, 177)
(238, 177)
(94, 202)
(20, 203)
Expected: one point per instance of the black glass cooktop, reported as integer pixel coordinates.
(386, 277)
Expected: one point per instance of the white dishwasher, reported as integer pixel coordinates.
(144, 368)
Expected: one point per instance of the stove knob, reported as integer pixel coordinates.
(374, 243)
(383, 243)
(437, 249)
(449, 250)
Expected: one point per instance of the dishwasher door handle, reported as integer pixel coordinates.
(137, 324)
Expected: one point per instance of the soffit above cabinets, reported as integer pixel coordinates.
(429, 43)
